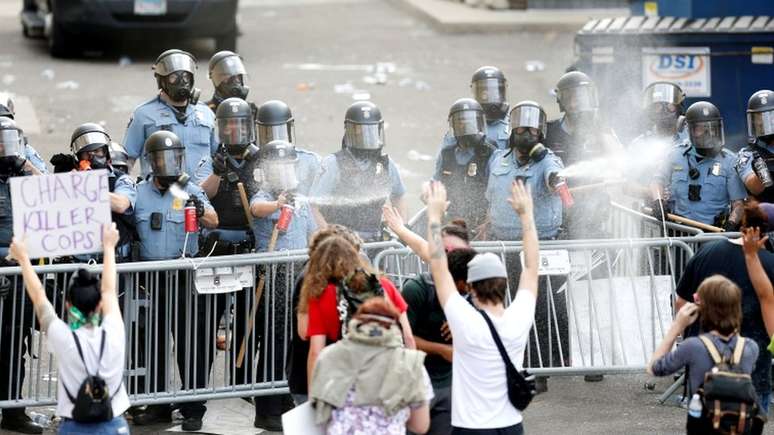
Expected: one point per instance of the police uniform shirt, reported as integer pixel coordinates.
(166, 242)
(462, 156)
(126, 188)
(308, 169)
(197, 133)
(497, 133)
(744, 159)
(503, 170)
(720, 184)
(302, 225)
(326, 183)
(34, 158)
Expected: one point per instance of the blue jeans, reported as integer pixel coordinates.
(115, 426)
(764, 401)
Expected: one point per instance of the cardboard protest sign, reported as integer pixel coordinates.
(61, 214)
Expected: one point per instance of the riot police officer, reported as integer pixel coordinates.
(699, 182)
(119, 159)
(176, 109)
(488, 86)
(755, 162)
(227, 73)
(275, 122)
(357, 180)
(463, 166)
(160, 221)
(35, 164)
(15, 308)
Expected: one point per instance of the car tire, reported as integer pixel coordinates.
(60, 44)
(226, 41)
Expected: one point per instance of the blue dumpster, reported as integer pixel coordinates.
(722, 59)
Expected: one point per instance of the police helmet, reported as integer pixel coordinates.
(227, 73)
(467, 121)
(7, 108)
(363, 127)
(278, 163)
(760, 114)
(118, 156)
(11, 139)
(165, 153)
(235, 123)
(89, 137)
(529, 115)
(488, 85)
(275, 122)
(174, 60)
(705, 126)
(575, 93)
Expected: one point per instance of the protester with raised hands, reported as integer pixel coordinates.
(752, 244)
(480, 397)
(89, 348)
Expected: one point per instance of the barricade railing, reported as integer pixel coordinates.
(605, 314)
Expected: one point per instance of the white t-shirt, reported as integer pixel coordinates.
(71, 370)
(479, 387)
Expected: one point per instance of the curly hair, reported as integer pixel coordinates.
(334, 230)
(332, 260)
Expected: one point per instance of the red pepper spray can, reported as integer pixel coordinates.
(286, 215)
(564, 194)
(191, 221)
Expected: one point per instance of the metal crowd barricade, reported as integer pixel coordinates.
(606, 316)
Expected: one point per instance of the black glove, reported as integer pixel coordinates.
(63, 163)
(656, 209)
(199, 206)
(219, 165)
(112, 183)
(554, 179)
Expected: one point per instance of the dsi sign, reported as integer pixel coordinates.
(689, 67)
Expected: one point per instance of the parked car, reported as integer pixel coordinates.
(71, 25)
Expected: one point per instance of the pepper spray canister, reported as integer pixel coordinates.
(191, 220)
(285, 217)
(762, 171)
(564, 193)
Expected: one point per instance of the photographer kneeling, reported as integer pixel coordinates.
(89, 348)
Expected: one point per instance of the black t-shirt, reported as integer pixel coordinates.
(299, 349)
(426, 317)
(727, 259)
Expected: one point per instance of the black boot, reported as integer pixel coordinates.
(153, 414)
(16, 420)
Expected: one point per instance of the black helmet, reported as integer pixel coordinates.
(489, 89)
(575, 93)
(705, 126)
(663, 104)
(7, 108)
(89, 137)
(760, 114)
(166, 155)
(467, 122)
(528, 125)
(119, 158)
(227, 73)
(235, 124)
(175, 71)
(275, 122)
(278, 164)
(363, 127)
(11, 140)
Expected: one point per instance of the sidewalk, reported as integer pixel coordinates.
(453, 17)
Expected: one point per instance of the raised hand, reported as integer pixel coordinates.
(436, 200)
(110, 236)
(521, 199)
(752, 241)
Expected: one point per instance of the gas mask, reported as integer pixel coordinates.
(178, 86)
(664, 117)
(524, 139)
(97, 159)
(233, 87)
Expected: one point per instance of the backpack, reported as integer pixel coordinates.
(730, 403)
(348, 300)
(93, 402)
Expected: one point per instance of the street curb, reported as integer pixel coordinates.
(450, 17)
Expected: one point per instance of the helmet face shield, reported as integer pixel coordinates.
(662, 93)
(760, 124)
(467, 122)
(167, 163)
(268, 133)
(364, 136)
(529, 117)
(90, 141)
(10, 143)
(175, 62)
(489, 91)
(707, 135)
(226, 68)
(578, 99)
(235, 131)
(280, 176)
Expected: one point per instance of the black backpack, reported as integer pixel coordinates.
(93, 403)
(348, 300)
(730, 403)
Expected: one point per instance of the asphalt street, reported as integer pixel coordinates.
(318, 56)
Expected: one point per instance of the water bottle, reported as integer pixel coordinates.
(41, 420)
(694, 406)
(762, 171)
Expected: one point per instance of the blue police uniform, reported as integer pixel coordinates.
(504, 168)
(308, 169)
(166, 242)
(353, 195)
(196, 132)
(465, 173)
(301, 227)
(34, 158)
(716, 181)
(497, 132)
(744, 165)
